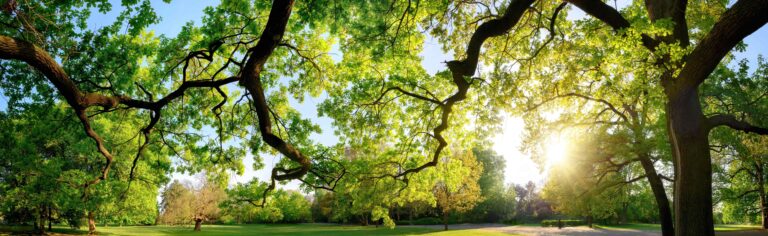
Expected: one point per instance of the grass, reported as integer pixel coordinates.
(736, 227)
(300, 229)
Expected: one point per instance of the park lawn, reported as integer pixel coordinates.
(657, 227)
(736, 227)
(299, 229)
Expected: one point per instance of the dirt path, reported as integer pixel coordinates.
(579, 231)
(573, 231)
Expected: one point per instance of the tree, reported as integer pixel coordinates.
(576, 187)
(688, 126)
(205, 204)
(46, 162)
(498, 202)
(740, 174)
(284, 207)
(461, 194)
(176, 204)
(189, 203)
(628, 118)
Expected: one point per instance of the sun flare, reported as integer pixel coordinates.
(556, 150)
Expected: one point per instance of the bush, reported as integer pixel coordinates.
(566, 223)
(429, 221)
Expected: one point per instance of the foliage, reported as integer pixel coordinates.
(498, 203)
(283, 206)
(187, 203)
(463, 194)
(47, 159)
(564, 223)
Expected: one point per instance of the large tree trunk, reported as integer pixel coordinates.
(91, 223)
(660, 195)
(690, 147)
(198, 224)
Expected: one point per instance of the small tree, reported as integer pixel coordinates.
(459, 191)
(175, 204)
(185, 202)
(205, 204)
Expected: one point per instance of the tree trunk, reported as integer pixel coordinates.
(659, 194)
(91, 223)
(445, 220)
(688, 131)
(589, 221)
(198, 224)
(397, 212)
(50, 218)
(40, 220)
(410, 216)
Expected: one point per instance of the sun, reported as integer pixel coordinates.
(556, 150)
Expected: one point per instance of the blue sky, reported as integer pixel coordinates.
(519, 169)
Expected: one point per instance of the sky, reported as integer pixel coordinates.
(519, 167)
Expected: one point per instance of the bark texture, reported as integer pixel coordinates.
(91, 223)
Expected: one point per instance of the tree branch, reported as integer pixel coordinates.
(731, 121)
(741, 20)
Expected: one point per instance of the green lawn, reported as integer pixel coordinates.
(301, 229)
(736, 227)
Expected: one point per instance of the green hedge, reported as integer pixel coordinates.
(428, 221)
(566, 223)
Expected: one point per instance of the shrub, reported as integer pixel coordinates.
(566, 223)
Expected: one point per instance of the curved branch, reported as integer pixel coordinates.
(612, 17)
(462, 69)
(738, 22)
(731, 121)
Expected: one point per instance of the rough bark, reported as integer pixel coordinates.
(690, 146)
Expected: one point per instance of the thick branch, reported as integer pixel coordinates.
(610, 16)
(731, 121)
(466, 68)
(251, 80)
(738, 22)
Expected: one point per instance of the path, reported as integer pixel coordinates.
(577, 231)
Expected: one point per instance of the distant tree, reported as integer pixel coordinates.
(459, 194)
(176, 207)
(498, 202)
(185, 203)
(205, 204)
